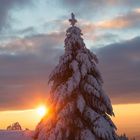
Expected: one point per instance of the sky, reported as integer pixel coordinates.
(124, 114)
(32, 34)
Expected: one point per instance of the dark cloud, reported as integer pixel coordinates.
(120, 66)
(130, 3)
(23, 81)
(24, 71)
(5, 10)
(32, 44)
(99, 3)
(90, 8)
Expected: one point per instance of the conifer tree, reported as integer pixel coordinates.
(80, 109)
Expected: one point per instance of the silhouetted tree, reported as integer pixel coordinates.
(14, 126)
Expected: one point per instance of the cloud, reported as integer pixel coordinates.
(104, 31)
(32, 44)
(24, 74)
(84, 8)
(23, 81)
(129, 20)
(25, 66)
(120, 66)
(89, 7)
(130, 3)
(5, 10)
(97, 3)
(27, 31)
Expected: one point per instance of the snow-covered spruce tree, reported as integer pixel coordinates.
(80, 108)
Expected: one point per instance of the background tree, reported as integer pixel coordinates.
(9, 127)
(79, 107)
(14, 126)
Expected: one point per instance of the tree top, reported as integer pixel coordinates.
(72, 20)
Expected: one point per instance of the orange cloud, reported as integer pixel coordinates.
(130, 19)
(115, 23)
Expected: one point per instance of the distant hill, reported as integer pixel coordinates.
(14, 135)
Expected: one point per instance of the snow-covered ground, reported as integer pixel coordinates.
(15, 135)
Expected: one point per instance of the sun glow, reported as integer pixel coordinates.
(42, 110)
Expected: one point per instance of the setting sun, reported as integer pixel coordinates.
(42, 110)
